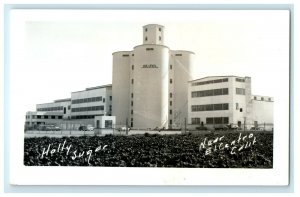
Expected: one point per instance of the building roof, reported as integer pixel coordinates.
(93, 88)
(62, 100)
(214, 76)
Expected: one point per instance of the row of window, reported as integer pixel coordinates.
(87, 100)
(91, 108)
(217, 120)
(159, 37)
(210, 82)
(146, 29)
(50, 108)
(85, 116)
(240, 91)
(262, 98)
(210, 107)
(43, 117)
(213, 92)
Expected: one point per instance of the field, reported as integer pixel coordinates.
(210, 150)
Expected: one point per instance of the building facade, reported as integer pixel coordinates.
(227, 100)
(150, 83)
(70, 113)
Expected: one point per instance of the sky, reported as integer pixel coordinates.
(56, 52)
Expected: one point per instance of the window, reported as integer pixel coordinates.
(131, 103)
(210, 82)
(46, 117)
(59, 117)
(69, 107)
(269, 99)
(125, 55)
(240, 91)
(146, 38)
(255, 98)
(178, 54)
(210, 107)
(131, 111)
(131, 95)
(239, 80)
(91, 108)
(146, 29)
(132, 67)
(209, 120)
(195, 120)
(103, 100)
(241, 109)
(159, 29)
(132, 81)
(236, 106)
(171, 81)
(171, 95)
(170, 112)
(170, 67)
(110, 98)
(110, 108)
(262, 98)
(170, 121)
(217, 120)
(149, 49)
(52, 117)
(39, 117)
(132, 54)
(214, 92)
(159, 38)
(170, 103)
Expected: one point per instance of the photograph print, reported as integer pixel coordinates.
(156, 92)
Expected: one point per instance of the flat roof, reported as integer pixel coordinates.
(215, 76)
(62, 100)
(93, 88)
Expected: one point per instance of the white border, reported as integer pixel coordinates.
(22, 175)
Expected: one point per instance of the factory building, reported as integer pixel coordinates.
(156, 87)
(227, 100)
(150, 83)
(83, 108)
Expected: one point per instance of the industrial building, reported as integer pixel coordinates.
(156, 87)
(150, 83)
(217, 101)
(83, 108)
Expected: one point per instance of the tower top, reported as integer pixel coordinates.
(153, 34)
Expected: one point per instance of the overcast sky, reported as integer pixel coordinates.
(56, 52)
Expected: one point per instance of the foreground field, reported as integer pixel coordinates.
(211, 150)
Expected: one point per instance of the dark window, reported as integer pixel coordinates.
(262, 98)
(52, 117)
(255, 98)
(131, 111)
(65, 110)
(46, 117)
(241, 109)
(125, 55)
(178, 54)
(159, 38)
(195, 120)
(159, 29)
(170, 95)
(146, 29)
(171, 81)
(131, 95)
(149, 49)
(146, 38)
(59, 117)
(131, 103)
(170, 103)
(132, 67)
(38, 117)
(170, 67)
(269, 99)
(170, 111)
(132, 81)
(170, 121)
(103, 100)
(209, 120)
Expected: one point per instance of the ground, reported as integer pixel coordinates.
(199, 150)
